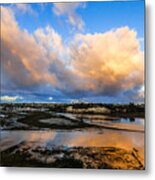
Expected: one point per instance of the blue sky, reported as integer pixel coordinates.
(68, 29)
(98, 17)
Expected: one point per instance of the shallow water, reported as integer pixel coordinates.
(85, 138)
(131, 124)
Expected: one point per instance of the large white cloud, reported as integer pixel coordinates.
(109, 62)
(25, 57)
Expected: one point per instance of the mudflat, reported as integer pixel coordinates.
(72, 136)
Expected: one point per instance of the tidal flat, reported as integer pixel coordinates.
(82, 135)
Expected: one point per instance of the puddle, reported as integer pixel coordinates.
(132, 124)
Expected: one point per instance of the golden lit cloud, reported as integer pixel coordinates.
(23, 55)
(109, 62)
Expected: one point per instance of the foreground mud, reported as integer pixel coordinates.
(23, 155)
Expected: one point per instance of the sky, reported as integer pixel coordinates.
(62, 52)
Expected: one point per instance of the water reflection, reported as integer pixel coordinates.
(130, 124)
(139, 121)
(85, 138)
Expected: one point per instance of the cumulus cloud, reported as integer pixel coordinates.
(140, 94)
(10, 98)
(109, 62)
(100, 64)
(26, 57)
(69, 9)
